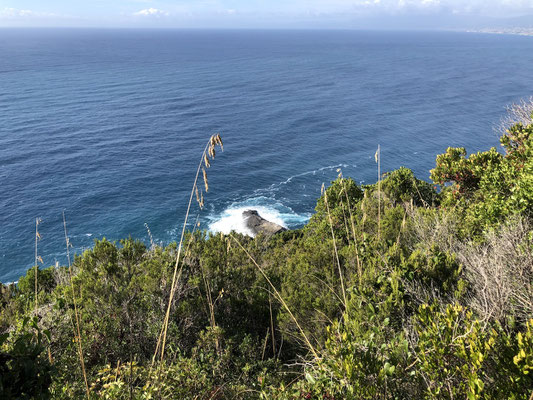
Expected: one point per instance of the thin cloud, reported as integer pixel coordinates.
(9, 12)
(500, 7)
(151, 12)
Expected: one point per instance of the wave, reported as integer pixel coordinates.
(290, 179)
(272, 210)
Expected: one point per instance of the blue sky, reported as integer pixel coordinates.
(262, 13)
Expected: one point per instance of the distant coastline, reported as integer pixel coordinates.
(505, 31)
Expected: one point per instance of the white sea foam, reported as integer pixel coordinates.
(269, 208)
(319, 171)
(231, 218)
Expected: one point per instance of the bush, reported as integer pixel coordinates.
(25, 370)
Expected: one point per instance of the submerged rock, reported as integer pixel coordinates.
(257, 224)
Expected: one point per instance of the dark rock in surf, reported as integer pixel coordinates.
(257, 224)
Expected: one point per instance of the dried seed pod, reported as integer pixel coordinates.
(206, 161)
(205, 180)
(197, 195)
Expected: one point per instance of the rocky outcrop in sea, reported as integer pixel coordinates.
(257, 224)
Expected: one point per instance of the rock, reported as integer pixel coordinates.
(257, 224)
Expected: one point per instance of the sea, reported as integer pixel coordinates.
(108, 126)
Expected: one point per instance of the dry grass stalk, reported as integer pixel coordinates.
(424, 202)
(363, 210)
(345, 220)
(37, 257)
(265, 344)
(378, 161)
(402, 227)
(209, 149)
(329, 287)
(205, 180)
(272, 326)
(324, 192)
(178, 279)
(359, 269)
(211, 303)
(152, 245)
(342, 204)
(78, 330)
(279, 297)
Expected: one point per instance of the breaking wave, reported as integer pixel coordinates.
(231, 219)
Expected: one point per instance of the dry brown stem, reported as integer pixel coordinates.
(279, 297)
(78, 330)
(210, 150)
(335, 246)
(501, 273)
(520, 112)
(37, 257)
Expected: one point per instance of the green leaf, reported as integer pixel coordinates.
(310, 378)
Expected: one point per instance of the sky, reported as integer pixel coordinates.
(364, 14)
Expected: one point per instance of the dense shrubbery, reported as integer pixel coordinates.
(439, 307)
(488, 186)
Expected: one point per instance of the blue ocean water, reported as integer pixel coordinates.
(109, 125)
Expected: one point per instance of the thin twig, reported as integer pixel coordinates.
(37, 236)
(80, 349)
(278, 295)
(335, 245)
(173, 285)
(359, 271)
(214, 140)
(272, 327)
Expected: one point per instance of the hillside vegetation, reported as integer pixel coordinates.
(398, 290)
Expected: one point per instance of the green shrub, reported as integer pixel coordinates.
(25, 370)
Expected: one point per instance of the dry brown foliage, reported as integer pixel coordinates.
(500, 272)
(520, 112)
